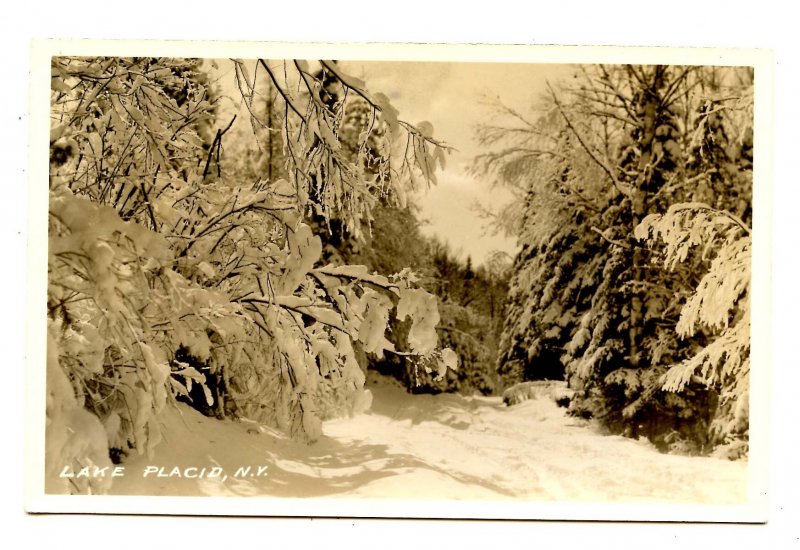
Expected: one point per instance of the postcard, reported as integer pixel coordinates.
(399, 281)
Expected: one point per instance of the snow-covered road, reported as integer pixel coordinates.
(444, 446)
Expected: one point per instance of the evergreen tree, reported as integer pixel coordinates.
(586, 298)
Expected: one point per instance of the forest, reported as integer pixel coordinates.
(260, 264)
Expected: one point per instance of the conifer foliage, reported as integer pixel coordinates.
(634, 191)
(166, 268)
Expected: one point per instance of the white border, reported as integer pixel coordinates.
(755, 510)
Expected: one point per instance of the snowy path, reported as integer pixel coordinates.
(444, 446)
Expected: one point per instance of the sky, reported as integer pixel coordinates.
(448, 96)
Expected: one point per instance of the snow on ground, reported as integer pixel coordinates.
(426, 446)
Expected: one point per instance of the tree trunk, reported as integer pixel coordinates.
(639, 207)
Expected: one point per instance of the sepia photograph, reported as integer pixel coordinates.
(435, 283)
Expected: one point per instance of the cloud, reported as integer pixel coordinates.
(448, 209)
(448, 95)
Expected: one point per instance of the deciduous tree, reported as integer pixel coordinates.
(154, 248)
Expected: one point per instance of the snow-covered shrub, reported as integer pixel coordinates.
(76, 439)
(156, 255)
(101, 269)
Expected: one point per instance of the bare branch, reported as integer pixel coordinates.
(611, 241)
(215, 145)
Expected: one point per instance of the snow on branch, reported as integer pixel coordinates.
(720, 301)
(334, 184)
(156, 255)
